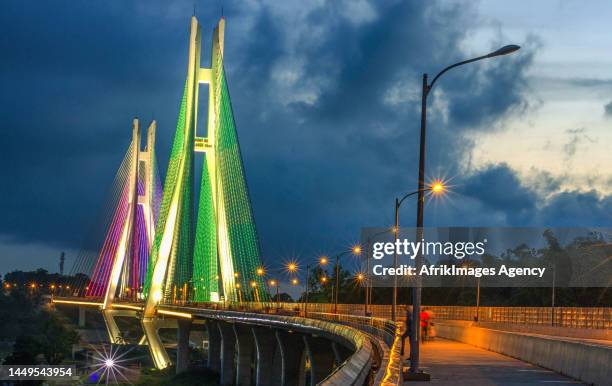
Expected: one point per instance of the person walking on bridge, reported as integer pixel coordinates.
(425, 320)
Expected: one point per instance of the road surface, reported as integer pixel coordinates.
(458, 364)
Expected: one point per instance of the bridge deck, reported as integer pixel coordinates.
(454, 363)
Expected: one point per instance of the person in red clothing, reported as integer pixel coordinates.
(424, 323)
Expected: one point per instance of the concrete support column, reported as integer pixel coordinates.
(228, 350)
(246, 348)
(214, 346)
(182, 349)
(321, 357)
(341, 353)
(337, 357)
(81, 316)
(265, 345)
(291, 348)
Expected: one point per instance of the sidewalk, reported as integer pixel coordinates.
(454, 363)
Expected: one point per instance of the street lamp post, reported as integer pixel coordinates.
(552, 300)
(307, 279)
(477, 299)
(368, 279)
(436, 188)
(416, 293)
(276, 284)
(359, 277)
(355, 250)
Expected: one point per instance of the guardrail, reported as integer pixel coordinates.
(574, 317)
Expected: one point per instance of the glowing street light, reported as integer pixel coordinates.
(355, 250)
(437, 187)
(294, 281)
(239, 292)
(292, 267)
(323, 260)
(274, 283)
(260, 271)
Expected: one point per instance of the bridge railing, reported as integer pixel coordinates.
(383, 329)
(573, 317)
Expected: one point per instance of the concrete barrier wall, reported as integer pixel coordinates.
(580, 333)
(587, 362)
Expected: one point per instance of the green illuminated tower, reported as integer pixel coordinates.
(203, 252)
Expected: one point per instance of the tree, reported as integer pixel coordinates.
(57, 340)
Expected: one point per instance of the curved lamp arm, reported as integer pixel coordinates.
(505, 50)
(399, 202)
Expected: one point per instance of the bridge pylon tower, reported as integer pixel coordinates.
(121, 267)
(202, 252)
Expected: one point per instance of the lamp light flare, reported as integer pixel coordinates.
(260, 271)
(438, 187)
(294, 281)
(357, 249)
(292, 267)
(323, 260)
(109, 365)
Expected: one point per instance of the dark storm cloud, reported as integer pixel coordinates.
(498, 188)
(501, 195)
(337, 161)
(326, 103)
(574, 209)
(73, 76)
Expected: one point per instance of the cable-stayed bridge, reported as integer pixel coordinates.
(172, 258)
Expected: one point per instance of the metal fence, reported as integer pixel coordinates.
(574, 317)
